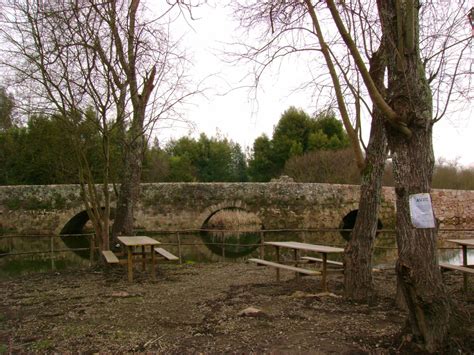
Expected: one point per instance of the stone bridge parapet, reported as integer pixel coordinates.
(175, 206)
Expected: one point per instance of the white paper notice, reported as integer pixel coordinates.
(421, 211)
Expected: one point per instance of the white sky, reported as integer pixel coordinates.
(240, 118)
(235, 113)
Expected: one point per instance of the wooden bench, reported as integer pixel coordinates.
(318, 260)
(285, 267)
(166, 254)
(330, 262)
(110, 257)
(457, 267)
(464, 269)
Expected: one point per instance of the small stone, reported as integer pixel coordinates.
(252, 312)
(120, 294)
(301, 294)
(327, 294)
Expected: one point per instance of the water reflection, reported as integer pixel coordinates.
(220, 236)
(220, 244)
(452, 254)
(385, 250)
(231, 244)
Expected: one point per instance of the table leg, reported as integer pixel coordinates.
(143, 258)
(130, 264)
(464, 263)
(152, 262)
(297, 274)
(323, 276)
(277, 249)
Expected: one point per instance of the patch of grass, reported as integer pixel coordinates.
(15, 267)
(3, 349)
(133, 299)
(75, 330)
(42, 345)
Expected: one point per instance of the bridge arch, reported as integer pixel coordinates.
(75, 225)
(348, 222)
(210, 211)
(230, 243)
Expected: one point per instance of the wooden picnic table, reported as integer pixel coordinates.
(465, 244)
(324, 250)
(131, 242)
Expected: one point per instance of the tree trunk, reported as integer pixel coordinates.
(135, 141)
(129, 187)
(417, 267)
(358, 253)
(358, 283)
(413, 160)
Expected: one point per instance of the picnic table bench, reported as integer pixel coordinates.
(166, 254)
(110, 257)
(131, 243)
(457, 268)
(319, 260)
(331, 262)
(297, 246)
(464, 268)
(285, 267)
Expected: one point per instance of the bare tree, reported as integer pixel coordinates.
(290, 27)
(285, 19)
(110, 56)
(407, 112)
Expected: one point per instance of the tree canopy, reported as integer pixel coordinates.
(296, 133)
(206, 159)
(7, 103)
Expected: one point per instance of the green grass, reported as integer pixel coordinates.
(3, 349)
(42, 345)
(15, 267)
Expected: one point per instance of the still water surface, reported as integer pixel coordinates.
(242, 245)
(208, 247)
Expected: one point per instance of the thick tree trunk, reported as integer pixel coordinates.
(413, 160)
(358, 255)
(358, 283)
(417, 268)
(129, 188)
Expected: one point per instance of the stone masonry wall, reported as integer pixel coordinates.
(171, 206)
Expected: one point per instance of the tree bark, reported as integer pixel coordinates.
(129, 187)
(413, 160)
(358, 282)
(135, 141)
(358, 254)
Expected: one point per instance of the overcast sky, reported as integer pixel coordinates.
(238, 116)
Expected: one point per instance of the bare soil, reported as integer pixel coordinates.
(196, 309)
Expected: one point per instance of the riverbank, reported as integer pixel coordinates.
(198, 308)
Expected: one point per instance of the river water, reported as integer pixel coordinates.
(206, 246)
(218, 246)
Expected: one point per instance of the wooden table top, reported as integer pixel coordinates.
(467, 242)
(137, 241)
(306, 246)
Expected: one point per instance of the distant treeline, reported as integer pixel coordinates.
(308, 149)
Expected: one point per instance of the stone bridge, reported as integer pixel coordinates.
(175, 206)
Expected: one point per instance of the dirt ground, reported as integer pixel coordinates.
(197, 309)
